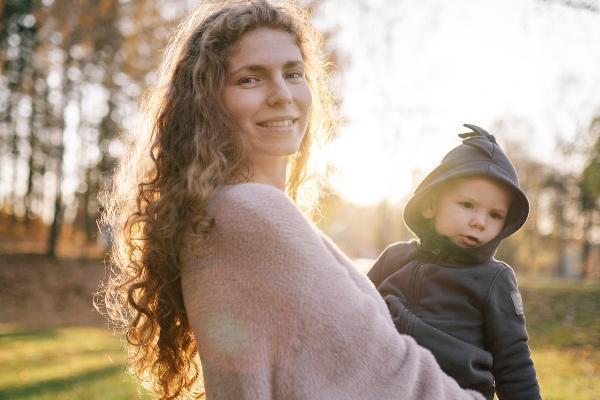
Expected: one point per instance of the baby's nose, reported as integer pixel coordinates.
(478, 221)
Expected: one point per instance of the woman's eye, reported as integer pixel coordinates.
(295, 75)
(249, 80)
(465, 204)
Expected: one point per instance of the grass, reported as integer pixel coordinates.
(65, 364)
(88, 363)
(567, 373)
(564, 329)
(562, 314)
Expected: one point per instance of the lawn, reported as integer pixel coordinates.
(66, 364)
(88, 363)
(564, 329)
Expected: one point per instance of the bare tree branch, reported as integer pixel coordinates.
(588, 5)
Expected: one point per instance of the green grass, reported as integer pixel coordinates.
(567, 373)
(562, 314)
(564, 330)
(89, 363)
(65, 364)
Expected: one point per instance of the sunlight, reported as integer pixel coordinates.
(366, 172)
(417, 74)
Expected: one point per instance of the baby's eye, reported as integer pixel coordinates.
(497, 216)
(465, 204)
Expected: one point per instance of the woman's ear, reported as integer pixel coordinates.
(428, 206)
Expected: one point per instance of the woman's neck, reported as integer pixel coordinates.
(270, 171)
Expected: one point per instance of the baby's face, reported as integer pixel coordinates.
(470, 211)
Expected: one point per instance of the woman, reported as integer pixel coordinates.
(213, 263)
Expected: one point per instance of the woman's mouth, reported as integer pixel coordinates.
(277, 124)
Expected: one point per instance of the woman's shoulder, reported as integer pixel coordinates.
(253, 215)
(257, 197)
(249, 194)
(254, 204)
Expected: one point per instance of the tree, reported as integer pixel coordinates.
(589, 185)
(17, 45)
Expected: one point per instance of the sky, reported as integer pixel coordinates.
(412, 72)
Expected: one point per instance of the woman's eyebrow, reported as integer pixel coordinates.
(261, 67)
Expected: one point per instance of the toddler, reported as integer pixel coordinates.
(446, 290)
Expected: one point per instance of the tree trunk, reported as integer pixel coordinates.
(58, 202)
(58, 211)
(28, 198)
(561, 267)
(586, 245)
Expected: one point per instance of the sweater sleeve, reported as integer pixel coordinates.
(506, 338)
(276, 317)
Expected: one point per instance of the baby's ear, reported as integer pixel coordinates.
(428, 206)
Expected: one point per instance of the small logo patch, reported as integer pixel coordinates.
(517, 302)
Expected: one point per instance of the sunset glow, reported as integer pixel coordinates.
(416, 72)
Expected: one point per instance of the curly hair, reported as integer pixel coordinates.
(182, 153)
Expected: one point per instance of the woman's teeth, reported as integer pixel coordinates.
(277, 124)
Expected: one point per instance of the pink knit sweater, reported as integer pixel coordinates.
(279, 312)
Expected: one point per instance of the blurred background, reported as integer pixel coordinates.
(407, 76)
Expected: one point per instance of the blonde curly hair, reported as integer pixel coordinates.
(181, 155)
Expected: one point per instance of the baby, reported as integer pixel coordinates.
(446, 290)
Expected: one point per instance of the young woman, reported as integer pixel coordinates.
(219, 281)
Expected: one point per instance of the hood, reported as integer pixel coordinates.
(477, 155)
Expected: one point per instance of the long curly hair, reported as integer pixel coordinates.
(181, 154)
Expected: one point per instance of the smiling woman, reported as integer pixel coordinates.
(217, 275)
(268, 98)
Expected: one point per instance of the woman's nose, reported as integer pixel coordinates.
(280, 93)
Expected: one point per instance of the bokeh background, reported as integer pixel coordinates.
(407, 76)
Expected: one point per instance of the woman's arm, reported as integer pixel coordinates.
(277, 317)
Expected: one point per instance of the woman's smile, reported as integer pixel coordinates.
(278, 123)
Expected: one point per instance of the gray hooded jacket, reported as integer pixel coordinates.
(462, 304)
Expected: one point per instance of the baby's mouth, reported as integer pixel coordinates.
(470, 241)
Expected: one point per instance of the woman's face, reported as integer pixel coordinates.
(266, 93)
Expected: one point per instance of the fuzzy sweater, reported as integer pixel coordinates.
(278, 312)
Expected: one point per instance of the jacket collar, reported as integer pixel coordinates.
(439, 248)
